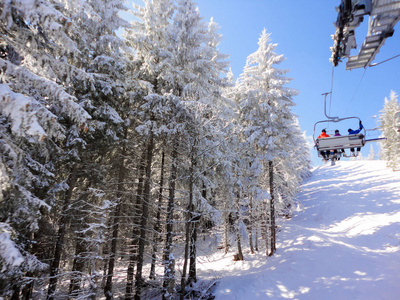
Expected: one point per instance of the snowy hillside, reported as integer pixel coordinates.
(343, 243)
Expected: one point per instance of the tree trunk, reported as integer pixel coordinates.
(135, 231)
(106, 255)
(64, 220)
(169, 276)
(187, 242)
(272, 208)
(81, 246)
(188, 226)
(115, 225)
(239, 245)
(266, 228)
(157, 227)
(113, 251)
(226, 233)
(145, 215)
(78, 265)
(28, 289)
(256, 239)
(250, 227)
(16, 293)
(193, 240)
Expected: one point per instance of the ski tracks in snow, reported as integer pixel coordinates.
(343, 244)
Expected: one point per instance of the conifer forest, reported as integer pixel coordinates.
(124, 144)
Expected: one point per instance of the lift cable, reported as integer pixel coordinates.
(376, 64)
(330, 96)
(356, 90)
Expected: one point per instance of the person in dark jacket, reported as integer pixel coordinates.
(337, 133)
(351, 131)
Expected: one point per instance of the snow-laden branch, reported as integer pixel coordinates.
(10, 256)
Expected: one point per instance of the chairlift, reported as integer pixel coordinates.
(339, 142)
(335, 143)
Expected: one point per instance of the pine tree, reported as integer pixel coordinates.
(388, 124)
(150, 38)
(371, 155)
(100, 53)
(198, 65)
(35, 108)
(266, 117)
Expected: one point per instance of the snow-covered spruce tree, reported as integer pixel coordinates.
(150, 37)
(291, 169)
(389, 120)
(371, 155)
(162, 115)
(34, 111)
(197, 67)
(65, 67)
(178, 56)
(229, 172)
(123, 169)
(96, 59)
(266, 116)
(109, 140)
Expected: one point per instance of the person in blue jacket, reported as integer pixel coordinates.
(351, 131)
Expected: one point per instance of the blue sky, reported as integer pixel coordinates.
(302, 30)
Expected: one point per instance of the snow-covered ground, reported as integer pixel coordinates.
(344, 243)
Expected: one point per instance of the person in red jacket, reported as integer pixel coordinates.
(325, 154)
(323, 134)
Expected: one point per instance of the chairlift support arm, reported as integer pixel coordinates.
(334, 119)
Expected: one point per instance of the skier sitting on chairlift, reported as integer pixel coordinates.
(351, 131)
(342, 150)
(325, 154)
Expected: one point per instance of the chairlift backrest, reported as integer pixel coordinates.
(339, 142)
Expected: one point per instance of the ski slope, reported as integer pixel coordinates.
(344, 242)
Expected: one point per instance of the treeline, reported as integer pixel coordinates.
(118, 152)
(389, 118)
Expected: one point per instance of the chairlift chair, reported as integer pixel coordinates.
(335, 143)
(339, 142)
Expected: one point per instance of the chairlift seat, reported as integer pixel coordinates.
(340, 142)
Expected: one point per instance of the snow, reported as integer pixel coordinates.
(9, 254)
(17, 107)
(343, 242)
